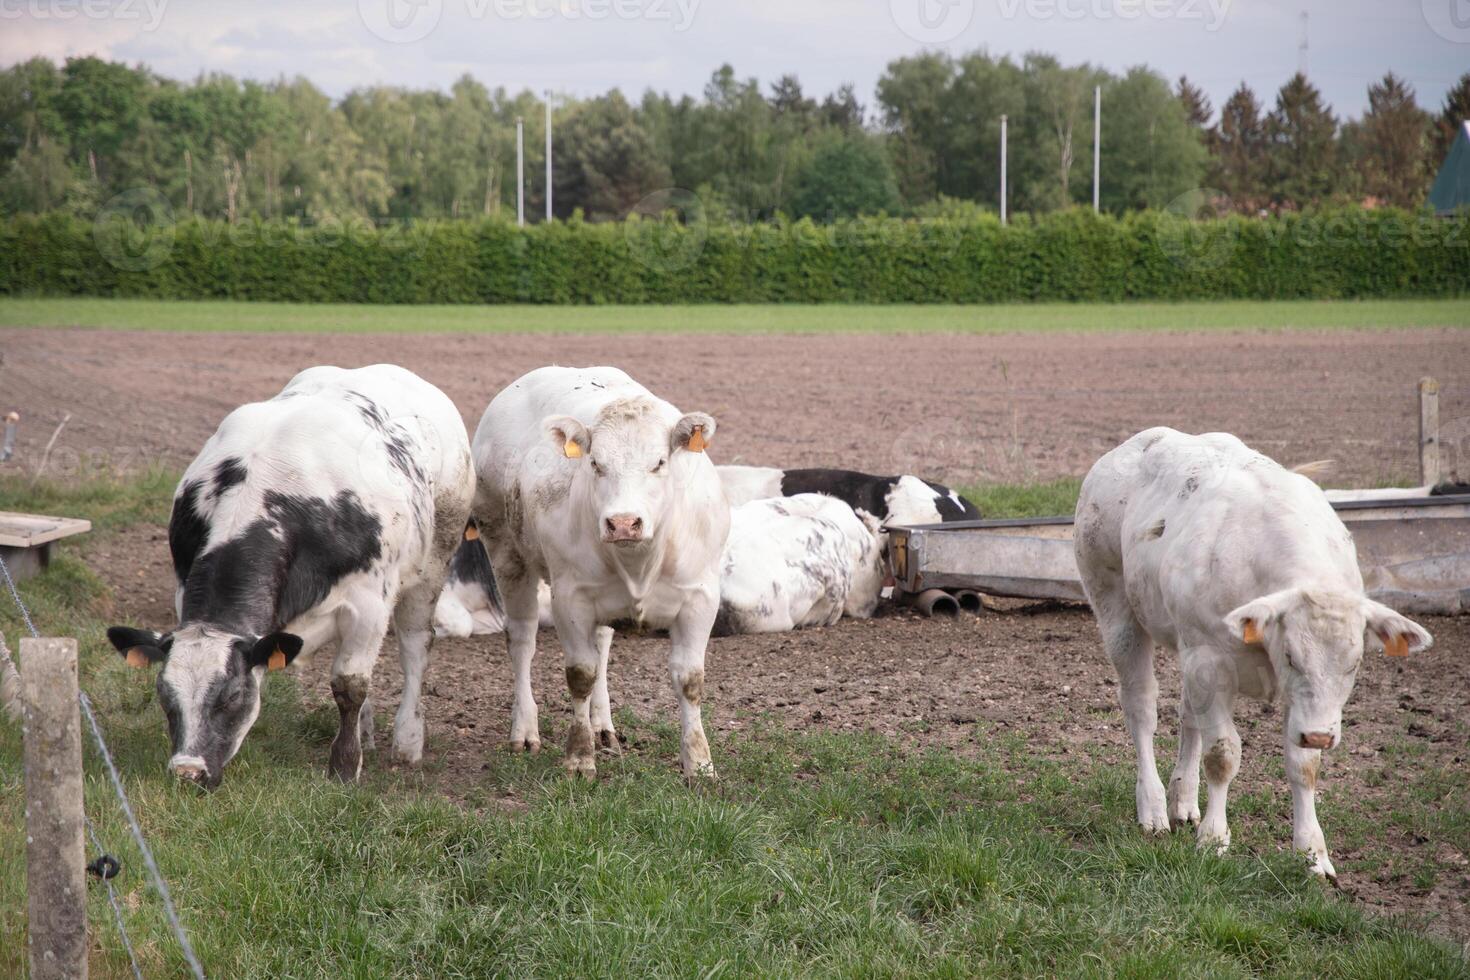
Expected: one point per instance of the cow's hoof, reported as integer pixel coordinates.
(1154, 823)
(701, 774)
(1186, 819)
(532, 745)
(608, 741)
(578, 768)
(1322, 868)
(1217, 841)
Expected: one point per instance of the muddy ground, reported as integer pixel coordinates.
(1033, 669)
(960, 409)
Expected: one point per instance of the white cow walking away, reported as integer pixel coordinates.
(590, 482)
(798, 561)
(1242, 569)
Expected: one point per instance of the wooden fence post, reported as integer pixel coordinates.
(1428, 432)
(56, 878)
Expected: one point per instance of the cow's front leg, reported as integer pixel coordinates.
(1302, 766)
(363, 628)
(1209, 698)
(522, 619)
(603, 734)
(1184, 783)
(577, 629)
(690, 636)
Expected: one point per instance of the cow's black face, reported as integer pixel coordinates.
(209, 690)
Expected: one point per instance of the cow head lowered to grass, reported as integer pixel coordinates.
(208, 687)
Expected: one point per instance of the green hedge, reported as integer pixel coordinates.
(1073, 255)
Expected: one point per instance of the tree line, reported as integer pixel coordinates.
(74, 136)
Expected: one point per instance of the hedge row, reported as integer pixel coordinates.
(1070, 256)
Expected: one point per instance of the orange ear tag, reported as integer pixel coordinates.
(696, 441)
(1395, 646)
(471, 533)
(571, 449)
(137, 659)
(1250, 631)
(276, 661)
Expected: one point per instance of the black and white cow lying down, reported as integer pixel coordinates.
(314, 517)
(900, 501)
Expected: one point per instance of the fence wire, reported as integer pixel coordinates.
(159, 884)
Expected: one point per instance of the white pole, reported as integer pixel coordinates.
(520, 171)
(1002, 169)
(1096, 146)
(548, 154)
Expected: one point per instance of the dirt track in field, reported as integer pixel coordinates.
(961, 409)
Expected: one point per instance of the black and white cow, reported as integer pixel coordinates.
(314, 517)
(900, 501)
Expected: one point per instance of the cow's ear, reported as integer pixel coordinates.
(693, 432)
(570, 436)
(1249, 623)
(274, 651)
(140, 648)
(1398, 634)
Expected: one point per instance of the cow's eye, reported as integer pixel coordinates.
(230, 698)
(657, 467)
(597, 468)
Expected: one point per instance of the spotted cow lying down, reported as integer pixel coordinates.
(797, 561)
(314, 518)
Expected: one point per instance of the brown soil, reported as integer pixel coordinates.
(1033, 669)
(962, 409)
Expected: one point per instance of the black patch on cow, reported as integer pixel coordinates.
(283, 563)
(864, 491)
(471, 564)
(1190, 486)
(1449, 489)
(229, 473)
(395, 440)
(187, 530)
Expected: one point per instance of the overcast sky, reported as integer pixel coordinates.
(589, 46)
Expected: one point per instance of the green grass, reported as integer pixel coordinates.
(816, 854)
(1058, 498)
(834, 318)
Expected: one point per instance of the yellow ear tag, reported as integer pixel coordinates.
(137, 659)
(696, 441)
(1250, 631)
(276, 661)
(1395, 646)
(471, 533)
(571, 449)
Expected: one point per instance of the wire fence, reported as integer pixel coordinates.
(159, 884)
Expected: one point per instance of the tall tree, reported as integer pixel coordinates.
(1452, 116)
(847, 176)
(1240, 151)
(1394, 135)
(1196, 104)
(1302, 136)
(1153, 153)
(606, 161)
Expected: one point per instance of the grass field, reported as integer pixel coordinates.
(1060, 317)
(816, 854)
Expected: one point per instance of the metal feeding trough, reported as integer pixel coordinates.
(26, 540)
(1414, 554)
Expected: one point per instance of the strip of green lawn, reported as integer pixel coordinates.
(1082, 317)
(816, 854)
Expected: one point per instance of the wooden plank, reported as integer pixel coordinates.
(31, 530)
(1428, 431)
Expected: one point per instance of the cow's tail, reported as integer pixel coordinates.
(471, 577)
(1317, 470)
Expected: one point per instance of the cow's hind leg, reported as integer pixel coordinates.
(1208, 683)
(522, 619)
(603, 734)
(1132, 652)
(414, 622)
(1184, 783)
